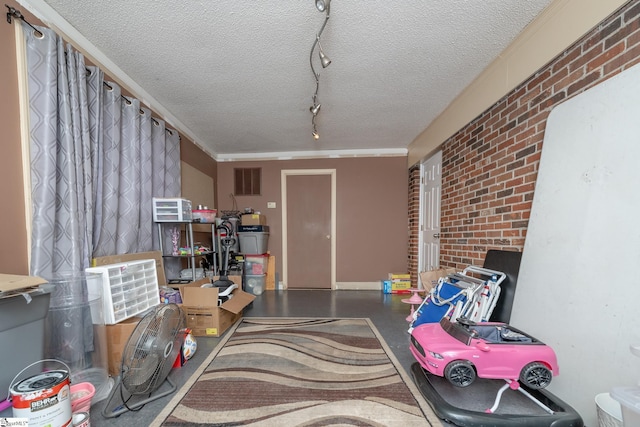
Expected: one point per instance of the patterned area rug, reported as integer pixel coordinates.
(300, 372)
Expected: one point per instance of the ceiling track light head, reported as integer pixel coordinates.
(324, 59)
(315, 108)
(322, 5)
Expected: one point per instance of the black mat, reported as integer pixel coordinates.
(466, 406)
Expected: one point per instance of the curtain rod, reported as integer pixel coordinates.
(108, 86)
(12, 12)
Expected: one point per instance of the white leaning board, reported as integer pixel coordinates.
(579, 286)
(127, 289)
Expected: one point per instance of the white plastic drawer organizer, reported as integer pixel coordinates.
(172, 210)
(128, 288)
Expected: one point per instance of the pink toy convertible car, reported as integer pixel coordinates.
(463, 350)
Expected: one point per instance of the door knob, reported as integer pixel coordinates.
(328, 237)
(437, 235)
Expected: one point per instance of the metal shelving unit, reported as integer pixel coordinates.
(185, 227)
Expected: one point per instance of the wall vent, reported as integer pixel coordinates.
(247, 181)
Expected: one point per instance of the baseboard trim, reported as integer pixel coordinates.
(359, 286)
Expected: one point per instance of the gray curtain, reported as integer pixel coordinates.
(97, 159)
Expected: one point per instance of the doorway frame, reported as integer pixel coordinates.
(284, 173)
(422, 213)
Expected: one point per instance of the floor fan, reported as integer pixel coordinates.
(147, 359)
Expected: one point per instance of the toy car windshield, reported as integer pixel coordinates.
(464, 331)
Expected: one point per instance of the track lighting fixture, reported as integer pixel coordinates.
(322, 6)
(324, 59)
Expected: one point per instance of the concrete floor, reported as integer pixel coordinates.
(387, 313)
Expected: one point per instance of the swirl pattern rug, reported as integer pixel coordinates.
(300, 372)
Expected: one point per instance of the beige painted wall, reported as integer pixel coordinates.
(13, 251)
(371, 229)
(560, 25)
(197, 186)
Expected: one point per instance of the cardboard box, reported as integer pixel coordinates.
(271, 274)
(396, 287)
(399, 276)
(253, 219)
(204, 316)
(117, 337)
(13, 282)
(429, 279)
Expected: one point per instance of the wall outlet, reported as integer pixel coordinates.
(271, 205)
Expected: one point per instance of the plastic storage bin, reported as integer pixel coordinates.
(204, 215)
(75, 332)
(256, 264)
(254, 283)
(629, 398)
(253, 242)
(21, 334)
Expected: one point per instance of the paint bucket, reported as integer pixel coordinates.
(44, 399)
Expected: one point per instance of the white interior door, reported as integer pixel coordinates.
(430, 198)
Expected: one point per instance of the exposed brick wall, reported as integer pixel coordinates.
(490, 166)
(414, 222)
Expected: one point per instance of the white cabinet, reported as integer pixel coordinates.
(127, 288)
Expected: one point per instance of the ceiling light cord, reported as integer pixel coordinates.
(322, 6)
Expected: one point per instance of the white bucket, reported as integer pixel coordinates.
(609, 411)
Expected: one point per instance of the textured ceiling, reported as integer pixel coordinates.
(236, 73)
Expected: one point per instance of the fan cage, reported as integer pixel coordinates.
(152, 349)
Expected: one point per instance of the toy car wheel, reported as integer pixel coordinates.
(460, 373)
(536, 375)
